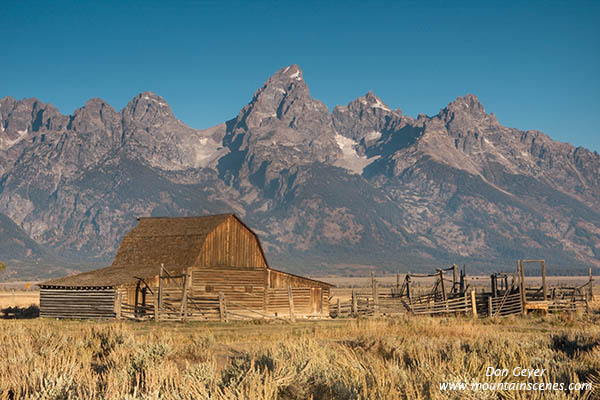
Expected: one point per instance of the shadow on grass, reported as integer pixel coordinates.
(572, 345)
(20, 312)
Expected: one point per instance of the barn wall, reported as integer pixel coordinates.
(77, 303)
(227, 279)
(307, 302)
(280, 280)
(231, 244)
(244, 290)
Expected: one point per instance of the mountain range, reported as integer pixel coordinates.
(364, 187)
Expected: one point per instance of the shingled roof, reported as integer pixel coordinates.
(174, 242)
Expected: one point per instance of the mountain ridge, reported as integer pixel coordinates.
(360, 184)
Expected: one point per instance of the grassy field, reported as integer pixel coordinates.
(401, 358)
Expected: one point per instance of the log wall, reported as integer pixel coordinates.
(77, 303)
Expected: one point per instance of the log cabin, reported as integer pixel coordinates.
(186, 268)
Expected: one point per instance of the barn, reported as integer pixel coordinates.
(187, 268)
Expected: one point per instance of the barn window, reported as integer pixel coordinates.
(209, 288)
(248, 289)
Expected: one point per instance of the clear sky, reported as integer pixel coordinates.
(536, 65)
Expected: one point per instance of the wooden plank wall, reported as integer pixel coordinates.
(277, 302)
(231, 244)
(77, 303)
(280, 280)
(227, 280)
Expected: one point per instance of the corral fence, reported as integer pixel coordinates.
(454, 296)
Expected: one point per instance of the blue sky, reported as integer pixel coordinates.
(535, 65)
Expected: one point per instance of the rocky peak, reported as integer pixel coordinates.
(147, 109)
(370, 100)
(467, 107)
(284, 97)
(96, 116)
(365, 117)
(19, 119)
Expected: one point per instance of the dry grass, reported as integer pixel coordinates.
(19, 299)
(404, 358)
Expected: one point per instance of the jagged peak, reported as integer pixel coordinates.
(374, 101)
(141, 104)
(469, 104)
(291, 72)
(7, 99)
(96, 101)
(29, 102)
(368, 101)
(285, 79)
(148, 95)
(283, 96)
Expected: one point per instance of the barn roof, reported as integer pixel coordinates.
(174, 242)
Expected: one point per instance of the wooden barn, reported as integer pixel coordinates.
(193, 268)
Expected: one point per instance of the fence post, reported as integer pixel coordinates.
(454, 277)
(587, 304)
(222, 306)
(291, 303)
(339, 309)
(522, 286)
(183, 310)
(160, 291)
(591, 288)
(443, 285)
(544, 288)
(490, 308)
(354, 304)
(474, 303)
(408, 289)
(155, 302)
(375, 300)
(372, 279)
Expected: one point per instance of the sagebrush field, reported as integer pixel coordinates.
(401, 358)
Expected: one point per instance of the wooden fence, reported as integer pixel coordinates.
(235, 305)
(471, 303)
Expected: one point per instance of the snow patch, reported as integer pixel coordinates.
(7, 143)
(350, 159)
(280, 90)
(296, 76)
(373, 135)
(206, 151)
(379, 104)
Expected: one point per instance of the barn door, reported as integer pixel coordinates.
(140, 299)
(315, 300)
